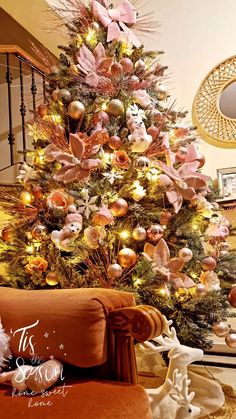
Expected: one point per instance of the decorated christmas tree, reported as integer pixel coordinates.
(112, 194)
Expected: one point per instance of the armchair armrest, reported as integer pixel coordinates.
(127, 325)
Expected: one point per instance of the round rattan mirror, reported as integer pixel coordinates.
(214, 106)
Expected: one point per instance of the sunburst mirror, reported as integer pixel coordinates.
(214, 106)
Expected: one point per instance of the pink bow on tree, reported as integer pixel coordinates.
(75, 164)
(168, 268)
(116, 19)
(182, 183)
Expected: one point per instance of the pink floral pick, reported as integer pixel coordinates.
(75, 166)
(169, 268)
(185, 181)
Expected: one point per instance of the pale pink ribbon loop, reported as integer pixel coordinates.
(114, 19)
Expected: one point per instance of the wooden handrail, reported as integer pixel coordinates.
(14, 49)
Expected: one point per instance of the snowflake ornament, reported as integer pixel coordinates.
(26, 173)
(35, 132)
(87, 205)
(112, 176)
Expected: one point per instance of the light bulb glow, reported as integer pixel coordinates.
(124, 234)
(91, 37)
(30, 249)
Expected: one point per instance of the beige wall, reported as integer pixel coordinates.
(196, 35)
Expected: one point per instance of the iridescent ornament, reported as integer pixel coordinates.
(209, 264)
(142, 163)
(185, 254)
(64, 95)
(127, 257)
(115, 108)
(76, 109)
(52, 279)
(155, 233)
(114, 271)
(139, 234)
(162, 92)
(221, 329)
(230, 340)
(119, 207)
(232, 297)
(40, 232)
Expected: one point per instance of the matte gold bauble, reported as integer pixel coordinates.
(230, 340)
(221, 329)
(139, 234)
(119, 207)
(115, 142)
(142, 163)
(76, 109)
(155, 232)
(200, 290)
(114, 271)
(161, 92)
(42, 110)
(26, 197)
(209, 264)
(232, 297)
(52, 279)
(127, 257)
(40, 231)
(64, 95)
(115, 108)
(186, 254)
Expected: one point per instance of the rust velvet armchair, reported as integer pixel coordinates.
(92, 332)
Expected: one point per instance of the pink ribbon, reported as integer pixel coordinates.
(114, 19)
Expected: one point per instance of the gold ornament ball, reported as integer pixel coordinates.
(221, 329)
(76, 109)
(42, 110)
(119, 207)
(200, 290)
(155, 232)
(127, 257)
(230, 340)
(186, 254)
(142, 163)
(74, 69)
(95, 26)
(115, 108)
(52, 279)
(55, 95)
(139, 234)
(64, 95)
(40, 231)
(26, 197)
(114, 271)
(161, 92)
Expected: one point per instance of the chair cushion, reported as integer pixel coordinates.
(80, 400)
(68, 324)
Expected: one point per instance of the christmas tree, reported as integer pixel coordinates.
(112, 194)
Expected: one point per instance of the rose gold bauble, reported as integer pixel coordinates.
(64, 95)
(165, 217)
(119, 207)
(37, 191)
(186, 254)
(116, 69)
(42, 110)
(139, 234)
(101, 117)
(140, 66)
(200, 290)
(155, 232)
(115, 142)
(161, 92)
(142, 163)
(221, 329)
(127, 257)
(55, 95)
(52, 279)
(115, 108)
(156, 116)
(230, 340)
(232, 297)
(127, 65)
(133, 82)
(40, 231)
(181, 154)
(153, 131)
(209, 264)
(76, 109)
(114, 271)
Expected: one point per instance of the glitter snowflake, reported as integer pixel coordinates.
(35, 132)
(26, 173)
(112, 176)
(61, 346)
(87, 205)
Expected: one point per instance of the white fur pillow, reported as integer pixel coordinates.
(4, 347)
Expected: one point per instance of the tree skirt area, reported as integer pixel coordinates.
(228, 411)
